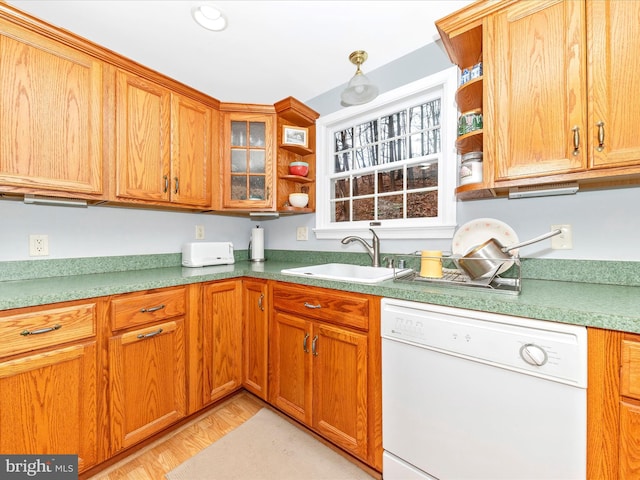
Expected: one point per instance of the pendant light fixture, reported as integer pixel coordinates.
(359, 90)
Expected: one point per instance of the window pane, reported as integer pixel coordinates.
(238, 187)
(366, 157)
(390, 207)
(239, 134)
(432, 142)
(393, 151)
(432, 113)
(257, 134)
(343, 162)
(390, 181)
(344, 140)
(393, 125)
(366, 133)
(341, 212)
(422, 204)
(417, 146)
(363, 209)
(257, 161)
(340, 188)
(422, 176)
(256, 187)
(238, 160)
(364, 185)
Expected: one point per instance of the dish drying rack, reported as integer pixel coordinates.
(508, 280)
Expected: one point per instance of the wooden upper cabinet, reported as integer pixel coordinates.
(191, 144)
(248, 161)
(535, 80)
(614, 79)
(50, 116)
(163, 144)
(143, 132)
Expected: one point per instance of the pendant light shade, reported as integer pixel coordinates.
(359, 90)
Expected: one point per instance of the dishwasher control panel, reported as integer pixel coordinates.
(546, 349)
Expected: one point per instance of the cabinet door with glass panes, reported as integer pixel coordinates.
(248, 161)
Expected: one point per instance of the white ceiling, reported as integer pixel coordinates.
(269, 51)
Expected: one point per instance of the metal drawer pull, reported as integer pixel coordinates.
(177, 185)
(304, 343)
(150, 334)
(314, 346)
(600, 146)
(308, 305)
(260, 304)
(152, 309)
(576, 140)
(166, 184)
(26, 333)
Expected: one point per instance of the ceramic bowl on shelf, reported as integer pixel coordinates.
(298, 200)
(299, 168)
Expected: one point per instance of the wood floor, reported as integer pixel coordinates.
(162, 456)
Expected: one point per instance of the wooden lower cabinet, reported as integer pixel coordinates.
(613, 406)
(325, 374)
(255, 337)
(49, 400)
(147, 373)
(98, 377)
(222, 339)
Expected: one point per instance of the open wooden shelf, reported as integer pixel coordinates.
(297, 149)
(297, 179)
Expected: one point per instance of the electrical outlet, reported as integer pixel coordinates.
(199, 232)
(38, 245)
(302, 233)
(563, 241)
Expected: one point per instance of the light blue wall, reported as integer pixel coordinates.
(606, 224)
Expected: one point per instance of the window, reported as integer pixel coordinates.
(390, 164)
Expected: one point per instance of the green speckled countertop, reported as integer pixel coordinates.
(610, 306)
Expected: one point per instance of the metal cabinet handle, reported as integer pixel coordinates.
(177, 184)
(576, 140)
(308, 305)
(152, 309)
(150, 334)
(260, 302)
(304, 343)
(600, 146)
(314, 346)
(166, 184)
(26, 333)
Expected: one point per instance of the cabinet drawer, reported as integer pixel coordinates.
(630, 369)
(347, 309)
(141, 308)
(32, 330)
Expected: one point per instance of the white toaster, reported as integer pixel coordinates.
(202, 254)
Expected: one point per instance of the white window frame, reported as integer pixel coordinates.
(442, 226)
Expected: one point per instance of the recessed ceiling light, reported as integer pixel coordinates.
(209, 17)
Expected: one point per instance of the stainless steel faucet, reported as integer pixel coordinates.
(373, 250)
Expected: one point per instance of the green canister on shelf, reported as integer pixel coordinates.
(470, 121)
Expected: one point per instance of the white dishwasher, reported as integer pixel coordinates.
(469, 395)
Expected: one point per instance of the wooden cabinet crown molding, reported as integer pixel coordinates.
(84, 45)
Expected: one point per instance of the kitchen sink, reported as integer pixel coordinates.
(345, 272)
